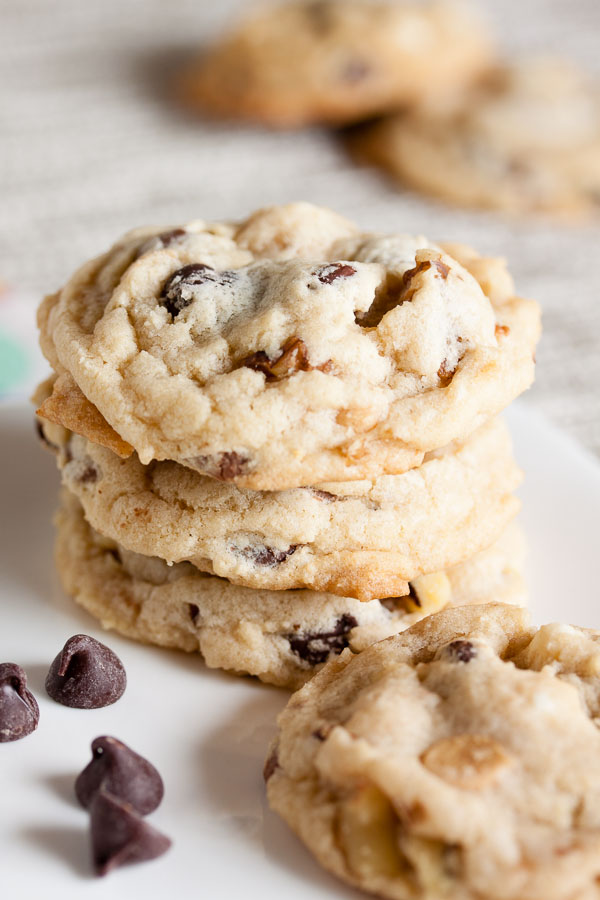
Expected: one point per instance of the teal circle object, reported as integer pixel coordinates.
(14, 364)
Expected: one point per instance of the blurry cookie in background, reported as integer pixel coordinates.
(335, 61)
(524, 140)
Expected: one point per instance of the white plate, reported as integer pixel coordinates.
(206, 731)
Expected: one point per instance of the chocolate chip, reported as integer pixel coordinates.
(120, 835)
(413, 595)
(328, 274)
(271, 764)
(178, 290)
(462, 651)
(86, 674)
(167, 238)
(194, 612)
(39, 430)
(19, 712)
(123, 773)
(89, 474)
(315, 647)
(319, 13)
(355, 71)
(223, 466)
(267, 556)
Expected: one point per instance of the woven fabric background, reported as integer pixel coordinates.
(91, 146)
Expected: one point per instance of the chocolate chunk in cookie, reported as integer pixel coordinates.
(315, 647)
(178, 290)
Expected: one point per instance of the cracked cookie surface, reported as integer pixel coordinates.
(526, 141)
(282, 637)
(336, 61)
(355, 539)
(459, 759)
(290, 349)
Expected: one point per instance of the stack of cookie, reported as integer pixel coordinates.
(278, 438)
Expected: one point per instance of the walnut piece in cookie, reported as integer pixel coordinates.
(460, 758)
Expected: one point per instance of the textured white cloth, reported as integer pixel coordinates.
(91, 146)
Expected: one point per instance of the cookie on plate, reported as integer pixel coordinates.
(282, 637)
(336, 61)
(363, 539)
(460, 759)
(287, 350)
(527, 140)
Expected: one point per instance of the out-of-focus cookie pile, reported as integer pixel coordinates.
(278, 438)
(430, 98)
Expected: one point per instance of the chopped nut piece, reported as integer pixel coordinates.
(468, 761)
(367, 832)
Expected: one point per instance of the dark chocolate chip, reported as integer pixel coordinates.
(413, 595)
(39, 430)
(178, 290)
(270, 765)
(355, 71)
(267, 556)
(89, 474)
(319, 14)
(120, 835)
(123, 773)
(19, 712)
(462, 651)
(223, 466)
(194, 612)
(328, 274)
(315, 647)
(167, 238)
(86, 674)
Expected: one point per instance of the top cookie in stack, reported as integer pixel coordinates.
(287, 350)
(302, 409)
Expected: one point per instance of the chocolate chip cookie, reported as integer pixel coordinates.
(460, 759)
(335, 61)
(362, 539)
(282, 637)
(527, 140)
(287, 350)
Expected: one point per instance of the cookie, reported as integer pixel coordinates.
(363, 539)
(282, 637)
(335, 61)
(291, 349)
(459, 759)
(525, 141)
